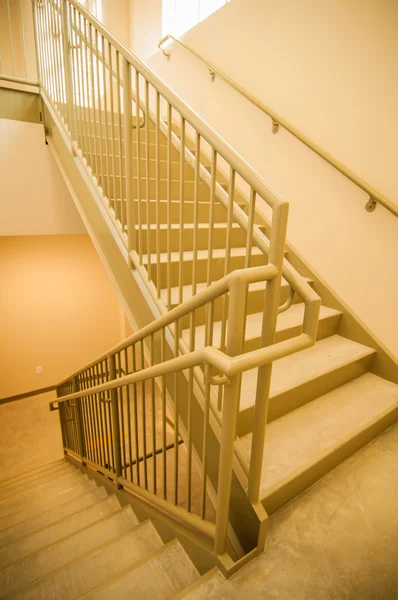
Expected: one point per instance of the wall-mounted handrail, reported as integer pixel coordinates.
(374, 196)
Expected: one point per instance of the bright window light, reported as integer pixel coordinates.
(178, 16)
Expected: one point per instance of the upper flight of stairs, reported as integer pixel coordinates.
(62, 536)
(324, 402)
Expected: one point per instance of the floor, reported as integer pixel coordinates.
(337, 541)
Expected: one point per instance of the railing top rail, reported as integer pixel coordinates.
(228, 365)
(374, 195)
(254, 179)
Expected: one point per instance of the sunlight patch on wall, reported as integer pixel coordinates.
(178, 16)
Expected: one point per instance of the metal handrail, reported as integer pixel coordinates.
(374, 196)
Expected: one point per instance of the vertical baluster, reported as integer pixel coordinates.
(138, 187)
(81, 79)
(196, 214)
(128, 150)
(164, 413)
(58, 29)
(189, 416)
(70, 112)
(110, 418)
(38, 39)
(121, 191)
(148, 221)
(182, 200)
(75, 74)
(23, 39)
(126, 364)
(169, 147)
(46, 44)
(101, 144)
(11, 38)
(176, 411)
(90, 416)
(111, 194)
(158, 266)
(102, 406)
(91, 89)
(115, 418)
(101, 421)
(96, 417)
(143, 418)
(152, 349)
(86, 95)
(136, 431)
(106, 115)
(204, 441)
(49, 32)
(122, 425)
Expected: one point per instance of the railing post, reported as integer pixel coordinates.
(115, 419)
(75, 388)
(68, 71)
(62, 420)
(128, 145)
(235, 339)
(270, 314)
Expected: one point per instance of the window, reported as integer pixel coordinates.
(178, 16)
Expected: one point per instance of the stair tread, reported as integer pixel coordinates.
(40, 479)
(188, 254)
(161, 576)
(56, 531)
(32, 472)
(80, 576)
(305, 434)
(187, 290)
(32, 510)
(38, 564)
(209, 586)
(298, 368)
(176, 226)
(37, 494)
(286, 320)
(47, 518)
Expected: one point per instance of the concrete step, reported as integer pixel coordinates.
(142, 211)
(289, 324)
(304, 376)
(57, 531)
(108, 165)
(237, 261)
(32, 473)
(219, 237)
(105, 562)
(40, 563)
(304, 445)
(113, 190)
(41, 478)
(40, 492)
(211, 586)
(49, 517)
(160, 576)
(34, 510)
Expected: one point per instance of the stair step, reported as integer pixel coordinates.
(161, 576)
(32, 511)
(47, 518)
(49, 535)
(303, 376)
(26, 484)
(42, 562)
(32, 473)
(210, 586)
(289, 324)
(79, 577)
(305, 444)
(220, 213)
(237, 261)
(113, 189)
(40, 492)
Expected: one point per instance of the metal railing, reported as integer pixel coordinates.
(278, 121)
(155, 186)
(16, 43)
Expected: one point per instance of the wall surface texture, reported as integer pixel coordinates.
(34, 199)
(330, 70)
(58, 310)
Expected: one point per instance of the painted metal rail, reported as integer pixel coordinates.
(278, 121)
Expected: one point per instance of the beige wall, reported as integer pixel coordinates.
(330, 69)
(145, 27)
(58, 310)
(34, 199)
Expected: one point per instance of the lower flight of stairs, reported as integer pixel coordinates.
(62, 536)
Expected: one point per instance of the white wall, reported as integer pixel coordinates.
(330, 69)
(34, 199)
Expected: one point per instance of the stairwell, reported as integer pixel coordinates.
(180, 222)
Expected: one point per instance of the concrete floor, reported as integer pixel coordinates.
(339, 540)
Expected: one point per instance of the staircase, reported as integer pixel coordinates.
(246, 379)
(62, 536)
